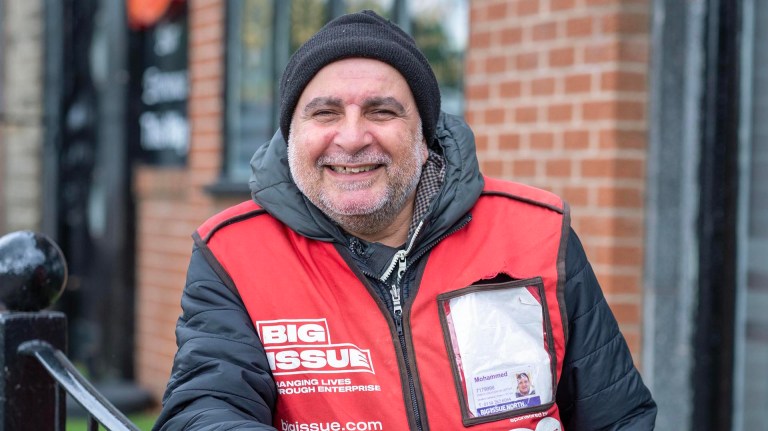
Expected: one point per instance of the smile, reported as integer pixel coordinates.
(352, 170)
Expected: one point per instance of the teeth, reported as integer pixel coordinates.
(346, 170)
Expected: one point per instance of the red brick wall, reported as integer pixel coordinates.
(556, 94)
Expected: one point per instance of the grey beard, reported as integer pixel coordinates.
(379, 219)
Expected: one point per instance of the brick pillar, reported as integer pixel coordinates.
(556, 93)
(21, 117)
(172, 202)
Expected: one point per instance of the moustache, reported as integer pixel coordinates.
(365, 158)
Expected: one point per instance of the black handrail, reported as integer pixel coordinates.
(59, 367)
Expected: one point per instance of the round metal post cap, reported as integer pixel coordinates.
(33, 271)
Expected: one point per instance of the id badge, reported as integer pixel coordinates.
(499, 338)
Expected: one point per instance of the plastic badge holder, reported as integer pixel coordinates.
(501, 348)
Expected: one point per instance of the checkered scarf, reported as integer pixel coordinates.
(429, 185)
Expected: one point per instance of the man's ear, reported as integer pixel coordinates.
(424, 151)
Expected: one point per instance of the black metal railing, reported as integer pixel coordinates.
(100, 410)
(36, 374)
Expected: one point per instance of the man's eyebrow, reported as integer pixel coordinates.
(335, 102)
(385, 101)
(324, 101)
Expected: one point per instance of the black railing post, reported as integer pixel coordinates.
(32, 275)
(30, 399)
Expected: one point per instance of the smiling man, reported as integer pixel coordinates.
(356, 148)
(377, 280)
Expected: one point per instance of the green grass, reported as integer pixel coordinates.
(143, 421)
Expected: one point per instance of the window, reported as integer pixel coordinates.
(261, 35)
(384, 8)
(251, 92)
(440, 28)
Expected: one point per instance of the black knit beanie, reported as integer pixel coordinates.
(363, 34)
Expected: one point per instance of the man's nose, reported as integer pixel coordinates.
(353, 134)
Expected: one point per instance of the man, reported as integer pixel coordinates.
(378, 281)
(524, 388)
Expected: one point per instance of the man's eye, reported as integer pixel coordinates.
(381, 114)
(324, 115)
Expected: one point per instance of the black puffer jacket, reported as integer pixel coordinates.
(221, 380)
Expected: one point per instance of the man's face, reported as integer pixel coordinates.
(355, 147)
(523, 385)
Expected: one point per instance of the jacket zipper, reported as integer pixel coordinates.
(394, 290)
(397, 310)
(400, 261)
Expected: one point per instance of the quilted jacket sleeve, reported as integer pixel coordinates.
(600, 388)
(220, 378)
